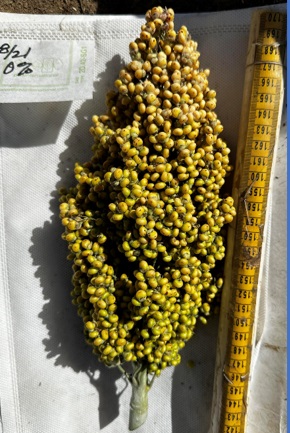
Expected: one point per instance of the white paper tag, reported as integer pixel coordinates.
(46, 70)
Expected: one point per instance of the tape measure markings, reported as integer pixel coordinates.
(254, 184)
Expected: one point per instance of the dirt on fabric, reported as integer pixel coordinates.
(115, 7)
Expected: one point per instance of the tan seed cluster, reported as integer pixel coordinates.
(144, 223)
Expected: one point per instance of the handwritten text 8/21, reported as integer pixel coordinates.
(12, 52)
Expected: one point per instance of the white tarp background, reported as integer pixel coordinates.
(50, 382)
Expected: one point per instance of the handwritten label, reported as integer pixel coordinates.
(40, 71)
(12, 53)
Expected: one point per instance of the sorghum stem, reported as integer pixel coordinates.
(139, 398)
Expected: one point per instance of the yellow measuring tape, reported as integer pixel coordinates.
(260, 124)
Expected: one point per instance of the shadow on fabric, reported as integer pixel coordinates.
(47, 121)
(192, 381)
(65, 341)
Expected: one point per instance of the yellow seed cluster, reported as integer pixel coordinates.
(144, 224)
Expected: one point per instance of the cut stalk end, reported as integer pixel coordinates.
(139, 398)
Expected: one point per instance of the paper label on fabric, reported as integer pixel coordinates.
(46, 70)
